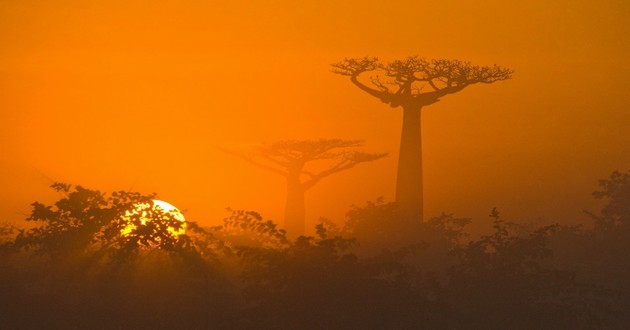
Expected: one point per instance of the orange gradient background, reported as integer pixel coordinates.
(138, 95)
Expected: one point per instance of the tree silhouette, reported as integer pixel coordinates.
(73, 251)
(413, 83)
(514, 277)
(616, 190)
(66, 270)
(289, 159)
(90, 222)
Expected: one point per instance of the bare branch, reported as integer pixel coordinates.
(249, 159)
(379, 84)
(416, 89)
(350, 159)
(432, 84)
(291, 156)
(405, 70)
(272, 158)
(458, 73)
(355, 66)
(307, 150)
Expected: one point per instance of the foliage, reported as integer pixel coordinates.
(616, 190)
(381, 226)
(73, 270)
(76, 261)
(8, 232)
(89, 224)
(504, 275)
(317, 282)
(247, 228)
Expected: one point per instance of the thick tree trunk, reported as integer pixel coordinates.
(294, 213)
(409, 177)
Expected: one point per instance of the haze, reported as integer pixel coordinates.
(123, 95)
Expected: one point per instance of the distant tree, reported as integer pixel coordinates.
(7, 233)
(616, 190)
(413, 83)
(289, 159)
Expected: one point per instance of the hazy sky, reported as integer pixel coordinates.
(139, 94)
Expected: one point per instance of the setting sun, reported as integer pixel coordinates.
(156, 210)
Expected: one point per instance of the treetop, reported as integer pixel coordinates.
(417, 81)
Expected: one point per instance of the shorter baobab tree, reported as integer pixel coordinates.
(289, 158)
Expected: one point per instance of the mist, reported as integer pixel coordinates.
(204, 104)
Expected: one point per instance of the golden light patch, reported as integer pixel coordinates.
(149, 211)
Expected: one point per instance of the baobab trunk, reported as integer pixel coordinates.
(409, 179)
(294, 212)
(288, 159)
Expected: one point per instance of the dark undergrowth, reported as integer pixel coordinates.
(378, 270)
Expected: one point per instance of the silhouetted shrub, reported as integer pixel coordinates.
(379, 270)
(501, 281)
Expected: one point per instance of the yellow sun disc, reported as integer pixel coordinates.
(143, 209)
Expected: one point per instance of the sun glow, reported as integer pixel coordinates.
(149, 211)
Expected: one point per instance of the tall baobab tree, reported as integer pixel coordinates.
(289, 159)
(412, 84)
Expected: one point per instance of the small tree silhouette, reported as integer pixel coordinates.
(86, 221)
(616, 191)
(289, 159)
(413, 83)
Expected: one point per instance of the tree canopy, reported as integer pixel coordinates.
(290, 157)
(415, 81)
(66, 271)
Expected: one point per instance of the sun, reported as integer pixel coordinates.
(154, 211)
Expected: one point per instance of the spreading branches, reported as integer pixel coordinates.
(404, 71)
(290, 157)
(250, 159)
(292, 151)
(415, 81)
(353, 67)
(455, 73)
(356, 66)
(346, 160)
(376, 81)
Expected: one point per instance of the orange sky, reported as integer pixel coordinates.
(138, 94)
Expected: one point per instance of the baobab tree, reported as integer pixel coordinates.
(412, 84)
(289, 159)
